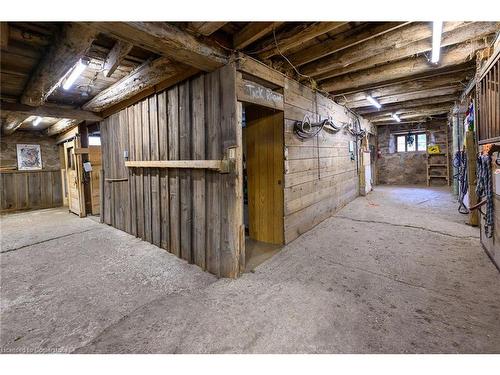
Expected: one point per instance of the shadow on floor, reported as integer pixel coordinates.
(257, 252)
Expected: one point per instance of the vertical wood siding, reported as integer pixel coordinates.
(30, 190)
(320, 177)
(191, 213)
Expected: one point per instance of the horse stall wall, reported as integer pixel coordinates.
(196, 214)
(29, 190)
(320, 176)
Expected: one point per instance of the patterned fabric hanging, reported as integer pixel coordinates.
(484, 188)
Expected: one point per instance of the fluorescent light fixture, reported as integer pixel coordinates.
(373, 101)
(37, 120)
(77, 70)
(396, 117)
(437, 30)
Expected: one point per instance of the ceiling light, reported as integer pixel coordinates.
(77, 70)
(374, 102)
(396, 117)
(437, 29)
(37, 120)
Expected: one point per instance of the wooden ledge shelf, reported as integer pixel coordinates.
(217, 165)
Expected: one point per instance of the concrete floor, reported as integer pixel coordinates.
(396, 272)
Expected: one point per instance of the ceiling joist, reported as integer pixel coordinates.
(294, 37)
(396, 39)
(253, 32)
(451, 56)
(145, 76)
(432, 82)
(69, 47)
(116, 56)
(168, 40)
(205, 28)
(465, 33)
(342, 41)
(49, 111)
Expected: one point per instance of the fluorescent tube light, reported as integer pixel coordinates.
(37, 120)
(437, 29)
(374, 102)
(396, 117)
(77, 70)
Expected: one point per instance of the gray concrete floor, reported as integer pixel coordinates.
(395, 272)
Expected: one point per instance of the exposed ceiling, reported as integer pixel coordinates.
(349, 60)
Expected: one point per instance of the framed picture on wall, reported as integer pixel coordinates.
(29, 157)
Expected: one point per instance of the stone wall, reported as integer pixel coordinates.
(48, 148)
(403, 168)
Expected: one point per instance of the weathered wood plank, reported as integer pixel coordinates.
(253, 32)
(155, 173)
(206, 28)
(251, 92)
(260, 70)
(167, 39)
(132, 173)
(186, 196)
(397, 38)
(173, 175)
(49, 111)
(213, 179)
(11, 123)
(70, 46)
(163, 155)
(115, 56)
(216, 165)
(199, 224)
(294, 37)
(231, 186)
(145, 76)
(451, 56)
(146, 172)
(342, 41)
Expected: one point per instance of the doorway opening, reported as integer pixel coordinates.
(263, 169)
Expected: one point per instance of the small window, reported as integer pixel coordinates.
(422, 142)
(401, 143)
(411, 142)
(94, 141)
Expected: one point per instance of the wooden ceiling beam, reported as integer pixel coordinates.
(402, 98)
(401, 106)
(168, 40)
(253, 32)
(61, 126)
(451, 56)
(116, 56)
(398, 38)
(49, 110)
(342, 41)
(443, 81)
(142, 78)
(423, 111)
(462, 34)
(205, 28)
(11, 123)
(295, 37)
(70, 46)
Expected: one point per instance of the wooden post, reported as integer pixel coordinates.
(471, 149)
(101, 195)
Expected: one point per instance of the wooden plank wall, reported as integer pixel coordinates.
(194, 214)
(320, 177)
(29, 190)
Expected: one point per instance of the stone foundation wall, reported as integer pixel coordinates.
(402, 168)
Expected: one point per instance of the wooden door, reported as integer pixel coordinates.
(264, 161)
(73, 179)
